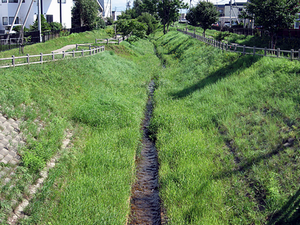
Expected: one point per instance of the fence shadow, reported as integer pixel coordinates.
(243, 62)
(289, 213)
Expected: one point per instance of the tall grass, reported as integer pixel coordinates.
(227, 129)
(102, 99)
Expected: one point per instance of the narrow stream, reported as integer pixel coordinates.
(145, 201)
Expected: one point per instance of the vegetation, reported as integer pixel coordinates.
(281, 14)
(44, 25)
(227, 132)
(204, 14)
(85, 13)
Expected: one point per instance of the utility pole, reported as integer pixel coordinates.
(60, 11)
(230, 12)
(39, 20)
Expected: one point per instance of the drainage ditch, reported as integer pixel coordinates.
(145, 200)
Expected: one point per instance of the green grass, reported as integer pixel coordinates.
(102, 99)
(57, 43)
(222, 123)
(249, 40)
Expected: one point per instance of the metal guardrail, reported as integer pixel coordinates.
(42, 58)
(246, 50)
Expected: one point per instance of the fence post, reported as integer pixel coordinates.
(52, 56)
(299, 54)
(244, 49)
(226, 46)
(106, 40)
(278, 52)
(41, 58)
(28, 59)
(73, 53)
(96, 41)
(76, 47)
(194, 33)
(81, 52)
(13, 61)
(292, 54)
(63, 54)
(235, 48)
(90, 51)
(90, 47)
(265, 51)
(254, 50)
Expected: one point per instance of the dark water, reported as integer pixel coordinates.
(145, 201)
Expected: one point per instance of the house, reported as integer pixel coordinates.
(230, 11)
(105, 8)
(26, 11)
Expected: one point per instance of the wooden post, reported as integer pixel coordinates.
(82, 52)
(235, 48)
(63, 54)
(194, 33)
(106, 40)
(254, 50)
(52, 56)
(90, 51)
(73, 53)
(292, 54)
(96, 41)
(244, 49)
(76, 47)
(299, 54)
(28, 59)
(41, 58)
(90, 47)
(265, 51)
(226, 46)
(278, 52)
(13, 61)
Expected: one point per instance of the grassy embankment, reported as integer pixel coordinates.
(227, 129)
(101, 99)
(257, 40)
(57, 43)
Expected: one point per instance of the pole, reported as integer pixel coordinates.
(39, 20)
(60, 11)
(230, 12)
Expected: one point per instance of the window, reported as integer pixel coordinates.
(49, 18)
(4, 1)
(11, 20)
(13, 1)
(4, 20)
(240, 9)
(62, 1)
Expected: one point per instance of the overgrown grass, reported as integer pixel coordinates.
(256, 39)
(57, 43)
(102, 99)
(227, 129)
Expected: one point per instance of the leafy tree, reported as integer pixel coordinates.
(204, 14)
(168, 11)
(274, 15)
(44, 25)
(132, 26)
(150, 21)
(55, 26)
(85, 13)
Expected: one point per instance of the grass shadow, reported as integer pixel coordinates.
(289, 213)
(243, 62)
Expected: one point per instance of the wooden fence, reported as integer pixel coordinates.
(276, 53)
(112, 40)
(41, 58)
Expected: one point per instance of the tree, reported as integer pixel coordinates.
(85, 13)
(168, 11)
(204, 14)
(44, 25)
(274, 15)
(150, 21)
(125, 27)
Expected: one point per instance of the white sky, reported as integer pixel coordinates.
(120, 5)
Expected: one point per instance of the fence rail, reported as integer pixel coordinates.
(111, 40)
(41, 58)
(246, 50)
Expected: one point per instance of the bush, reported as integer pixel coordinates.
(55, 26)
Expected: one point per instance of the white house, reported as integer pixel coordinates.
(10, 9)
(105, 8)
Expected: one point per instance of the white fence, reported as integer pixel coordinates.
(276, 53)
(41, 58)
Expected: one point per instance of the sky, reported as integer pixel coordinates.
(120, 5)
